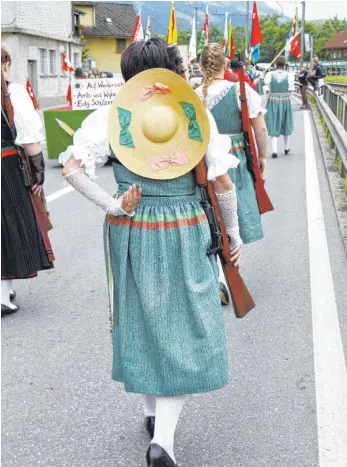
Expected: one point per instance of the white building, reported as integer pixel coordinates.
(33, 33)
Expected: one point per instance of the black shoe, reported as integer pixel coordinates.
(286, 152)
(6, 310)
(150, 425)
(274, 155)
(13, 295)
(223, 294)
(158, 457)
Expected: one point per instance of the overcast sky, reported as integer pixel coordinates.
(314, 9)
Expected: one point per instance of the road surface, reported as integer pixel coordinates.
(286, 402)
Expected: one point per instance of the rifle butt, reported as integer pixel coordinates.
(240, 295)
(41, 213)
(263, 199)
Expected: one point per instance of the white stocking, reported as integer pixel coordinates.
(168, 411)
(6, 287)
(149, 405)
(286, 141)
(274, 141)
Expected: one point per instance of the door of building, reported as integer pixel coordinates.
(32, 75)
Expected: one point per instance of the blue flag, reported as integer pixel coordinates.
(256, 52)
(290, 34)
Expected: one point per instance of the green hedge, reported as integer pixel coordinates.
(336, 79)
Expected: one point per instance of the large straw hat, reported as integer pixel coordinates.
(158, 127)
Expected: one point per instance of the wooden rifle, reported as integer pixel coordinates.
(39, 203)
(263, 199)
(241, 298)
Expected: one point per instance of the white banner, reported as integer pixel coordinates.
(94, 93)
(307, 43)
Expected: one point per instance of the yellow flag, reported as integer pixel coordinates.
(172, 31)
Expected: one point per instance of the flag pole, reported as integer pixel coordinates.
(279, 54)
(302, 33)
(247, 26)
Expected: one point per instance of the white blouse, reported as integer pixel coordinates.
(280, 75)
(91, 146)
(27, 121)
(218, 90)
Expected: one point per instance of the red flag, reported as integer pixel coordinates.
(66, 64)
(32, 95)
(295, 47)
(138, 31)
(69, 95)
(256, 37)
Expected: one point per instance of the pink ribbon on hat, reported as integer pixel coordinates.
(164, 162)
(146, 92)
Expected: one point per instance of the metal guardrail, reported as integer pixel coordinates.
(332, 107)
(337, 84)
(337, 103)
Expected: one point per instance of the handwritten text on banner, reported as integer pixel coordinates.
(94, 93)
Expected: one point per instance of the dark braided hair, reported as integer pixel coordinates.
(144, 55)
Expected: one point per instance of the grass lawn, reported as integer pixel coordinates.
(336, 79)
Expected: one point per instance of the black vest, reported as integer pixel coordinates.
(6, 135)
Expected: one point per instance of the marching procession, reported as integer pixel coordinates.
(191, 194)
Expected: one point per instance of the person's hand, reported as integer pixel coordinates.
(262, 166)
(131, 199)
(235, 258)
(36, 189)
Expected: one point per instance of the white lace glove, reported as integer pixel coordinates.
(228, 206)
(80, 181)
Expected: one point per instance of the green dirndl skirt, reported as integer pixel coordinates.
(260, 87)
(247, 205)
(167, 322)
(279, 115)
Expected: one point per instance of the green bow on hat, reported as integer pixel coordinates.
(125, 138)
(193, 128)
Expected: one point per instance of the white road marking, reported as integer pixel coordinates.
(59, 194)
(330, 366)
(296, 99)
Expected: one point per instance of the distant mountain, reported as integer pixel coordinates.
(160, 12)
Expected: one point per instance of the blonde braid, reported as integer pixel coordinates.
(212, 59)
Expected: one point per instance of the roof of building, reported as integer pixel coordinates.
(121, 23)
(338, 42)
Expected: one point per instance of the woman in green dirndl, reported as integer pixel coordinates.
(258, 76)
(222, 99)
(279, 117)
(167, 323)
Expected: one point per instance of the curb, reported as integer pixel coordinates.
(335, 181)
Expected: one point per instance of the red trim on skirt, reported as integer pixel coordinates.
(29, 276)
(11, 152)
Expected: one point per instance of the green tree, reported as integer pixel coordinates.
(183, 37)
(274, 37)
(239, 35)
(85, 50)
(215, 35)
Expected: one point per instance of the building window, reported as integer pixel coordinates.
(76, 24)
(334, 55)
(52, 62)
(339, 54)
(76, 60)
(43, 61)
(121, 45)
